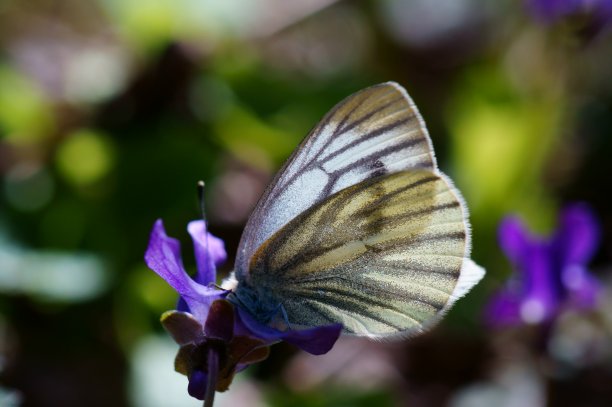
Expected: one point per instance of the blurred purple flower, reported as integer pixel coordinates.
(551, 273)
(217, 339)
(549, 11)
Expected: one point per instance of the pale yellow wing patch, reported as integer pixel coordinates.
(382, 257)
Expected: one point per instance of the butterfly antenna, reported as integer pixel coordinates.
(201, 186)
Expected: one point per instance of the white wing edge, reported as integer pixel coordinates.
(419, 117)
(469, 275)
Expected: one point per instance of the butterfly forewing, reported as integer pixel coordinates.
(381, 257)
(374, 132)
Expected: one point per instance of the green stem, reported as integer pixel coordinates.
(213, 374)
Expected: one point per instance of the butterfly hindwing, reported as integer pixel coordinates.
(382, 257)
(374, 132)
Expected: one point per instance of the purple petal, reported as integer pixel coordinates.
(316, 341)
(507, 308)
(551, 272)
(541, 291)
(550, 10)
(206, 259)
(163, 256)
(197, 384)
(605, 8)
(535, 293)
(578, 235)
(504, 308)
(602, 11)
(181, 305)
(582, 287)
(513, 239)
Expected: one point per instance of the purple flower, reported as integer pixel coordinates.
(552, 10)
(211, 353)
(549, 11)
(217, 339)
(551, 273)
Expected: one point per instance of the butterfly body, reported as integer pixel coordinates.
(259, 301)
(359, 227)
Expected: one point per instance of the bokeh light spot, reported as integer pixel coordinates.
(24, 114)
(50, 275)
(533, 311)
(28, 187)
(85, 157)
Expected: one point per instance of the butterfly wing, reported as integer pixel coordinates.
(371, 133)
(385, 257)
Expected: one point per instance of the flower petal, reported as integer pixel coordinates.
(535, 293)
(183, 327)
(541, 286)
(583, 288)
(182, 361)
(256, 355)
(550, 10)
(242, 351)
(605, 10)
(181, 305)
(197, 384)
(578, 235)
(316, 341)
(503, 309)
(513, 239)
(209, 252)
(163, 256)
(550, 272)
(220, 321)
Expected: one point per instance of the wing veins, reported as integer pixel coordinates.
(336, 175)
(371, 315)
(309, 255)
(368, 136)
(364, 151)
(370, 114)
(343, 315)
(348, 295)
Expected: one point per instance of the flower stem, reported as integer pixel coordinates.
(213, 373)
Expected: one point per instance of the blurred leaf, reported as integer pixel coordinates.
(85, 157)
(25, 116)
(501, 141)
(253, 141)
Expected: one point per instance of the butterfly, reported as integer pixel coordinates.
(359, 227)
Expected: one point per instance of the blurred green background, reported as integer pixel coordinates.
(112, 110)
